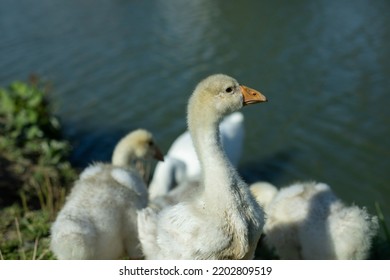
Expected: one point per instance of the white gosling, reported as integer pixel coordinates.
(98, 220)
(167, 176)
(181, 163)
(263, 192)
(306, 220)
(222, 219)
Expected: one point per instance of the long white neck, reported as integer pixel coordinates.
(219, 178)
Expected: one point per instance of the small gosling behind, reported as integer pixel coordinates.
(99, 220)
(308, 221)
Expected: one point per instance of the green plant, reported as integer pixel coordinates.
(26, 114)
(30, 138)
(24, 235)
(35, 173)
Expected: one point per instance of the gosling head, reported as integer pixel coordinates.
(224, 95)
(137, 145)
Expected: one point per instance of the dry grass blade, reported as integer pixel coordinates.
(39, 193)
(35, 248)
(49, 194)
(23, 199)
(21, 247)
(43, 254)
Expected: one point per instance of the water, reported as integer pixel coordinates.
(118, 65)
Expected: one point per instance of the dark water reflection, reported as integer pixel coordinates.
(119, 65)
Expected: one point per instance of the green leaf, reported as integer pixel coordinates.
(34, 132)
(32, 116)
(21, 120)
(35, 101)
(7, 103)
(21, 89)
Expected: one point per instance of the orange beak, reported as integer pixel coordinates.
(251, 96)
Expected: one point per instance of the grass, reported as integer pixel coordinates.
(35, 174)
(25, 237)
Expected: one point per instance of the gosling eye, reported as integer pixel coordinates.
(229, 89)
(151, 143)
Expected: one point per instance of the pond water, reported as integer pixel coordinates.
(119, 65)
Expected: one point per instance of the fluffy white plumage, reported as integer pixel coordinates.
(222, 219)
(98, 220)
(308, 221)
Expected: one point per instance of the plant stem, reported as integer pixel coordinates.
(35, 248)
(20, 239)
